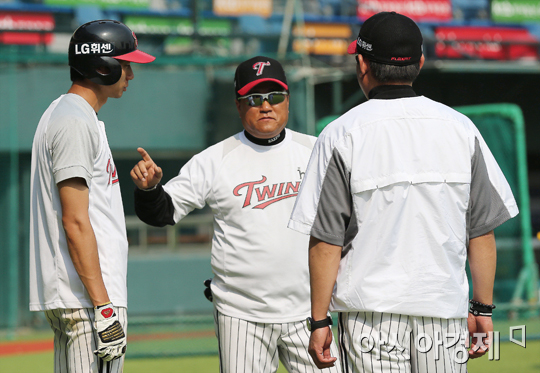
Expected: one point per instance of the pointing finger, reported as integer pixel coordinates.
(145, 156)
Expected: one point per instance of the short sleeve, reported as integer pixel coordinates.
(74, 145)
(334, 210)
(491, 200)
(190, 188)
(323, 208)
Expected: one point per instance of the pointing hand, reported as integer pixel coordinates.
(146, 174)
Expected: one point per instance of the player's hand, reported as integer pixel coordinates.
(208, 290)
(146, 173)
(111, 342)
(481, 326)
(319, 348)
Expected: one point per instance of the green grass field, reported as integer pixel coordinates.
(43, 363)
(513, 358)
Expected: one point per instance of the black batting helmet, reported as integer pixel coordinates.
(99, 44)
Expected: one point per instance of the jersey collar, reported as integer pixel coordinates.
(266, 142)
(388, 92)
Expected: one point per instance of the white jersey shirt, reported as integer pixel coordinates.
(260, 267)
(71, 142)
(402, 184)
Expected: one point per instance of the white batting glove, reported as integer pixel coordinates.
(111, 336)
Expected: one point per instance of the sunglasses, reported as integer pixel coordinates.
(257, 99)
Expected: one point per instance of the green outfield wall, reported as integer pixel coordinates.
(160, 109)
(165, 284)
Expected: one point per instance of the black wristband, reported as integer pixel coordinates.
(314, 325)
(149, 194)
(481, 309)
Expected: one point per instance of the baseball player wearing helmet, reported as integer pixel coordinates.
(260, 287)
(398, 193)
(78, 244)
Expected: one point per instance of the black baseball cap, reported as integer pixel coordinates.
(257, 70)
(389, 38)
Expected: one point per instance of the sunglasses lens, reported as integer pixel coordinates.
(276, 98)
(272, 98)
(256, 100)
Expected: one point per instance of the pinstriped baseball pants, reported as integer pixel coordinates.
(75, 341)
(383, 342)
(251, 347)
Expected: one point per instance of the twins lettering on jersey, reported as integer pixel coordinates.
(265, 195)
(111, 170)
(94, 48)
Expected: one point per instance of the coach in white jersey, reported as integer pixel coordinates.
(398, 193)
(78, 244)
(260, 287)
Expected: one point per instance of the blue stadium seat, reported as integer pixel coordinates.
(339, 7)
(274, 25)
(470, 3)
(253, 24)
(534, 29)
(333, 5)
(470, 9)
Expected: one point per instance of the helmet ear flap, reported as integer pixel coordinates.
(107, 72)
(100, 70)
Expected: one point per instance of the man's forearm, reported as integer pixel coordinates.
(482, 262)
(324, 261)
(81, 241)
(84, 255)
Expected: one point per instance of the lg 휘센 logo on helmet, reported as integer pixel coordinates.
(94, 48)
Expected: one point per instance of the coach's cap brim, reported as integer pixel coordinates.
(248, 87)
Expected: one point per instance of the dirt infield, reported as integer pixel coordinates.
(25, 347)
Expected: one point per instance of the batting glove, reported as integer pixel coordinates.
(111, 336)
(208, 290)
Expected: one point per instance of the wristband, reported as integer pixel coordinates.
(481, 309)
(103, 304)
(149, 189)
(314, 325)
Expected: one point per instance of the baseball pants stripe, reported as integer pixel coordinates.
(252, 347)
(75, 341)
(385, 342)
